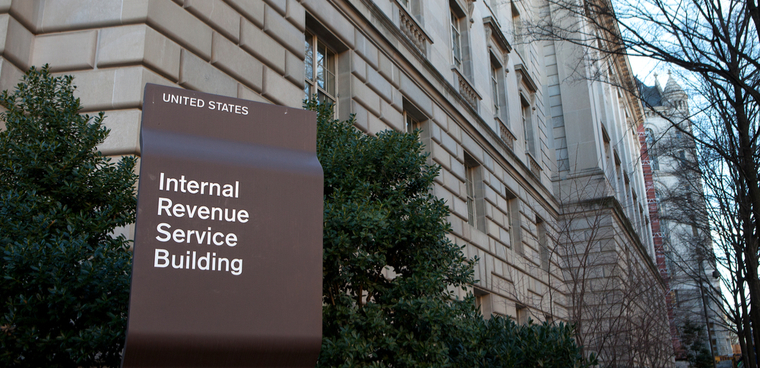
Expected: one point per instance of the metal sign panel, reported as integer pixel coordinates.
(228, 245)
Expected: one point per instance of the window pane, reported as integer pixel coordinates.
(321, 50)
(329, 70)
(470, 185)
(495, 90)
(456, 47)
(650, 138)
(411, 123)
(330, 82)
(528, 129)
(309, 59)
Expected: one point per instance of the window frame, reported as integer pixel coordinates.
(529, 134)
(517, 37)
(413, 117)
(329, 90)
(474, 192)
(522, 314)
(410, 122)
(455, 26)
(543, 243)
(499, 90)
(495, 87)
(469, 183)
(514, 220)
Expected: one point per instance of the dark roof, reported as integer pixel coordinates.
(650, 95)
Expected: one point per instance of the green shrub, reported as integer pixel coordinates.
(65, 277)
(389, 268)
(381, 219)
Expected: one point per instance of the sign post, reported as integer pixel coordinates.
(228, 244)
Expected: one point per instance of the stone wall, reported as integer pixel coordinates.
(391, 62)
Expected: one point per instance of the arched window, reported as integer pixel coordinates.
(653, 161)
(650, 137)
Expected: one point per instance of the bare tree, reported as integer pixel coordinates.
(714, 45)
(616, 294)
(701, 213)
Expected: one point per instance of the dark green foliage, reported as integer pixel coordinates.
(532, 345)
(65, 278)
(500, 342)
(389, 269)
(380, 218)
(694, 339)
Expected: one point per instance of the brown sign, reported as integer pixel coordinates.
(228, 244)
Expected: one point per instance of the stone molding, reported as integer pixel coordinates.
(506, 135)
(413, 30)
(535, 168)
(467, 90)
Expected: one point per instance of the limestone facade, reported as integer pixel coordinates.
(605, 236)
(493, 108)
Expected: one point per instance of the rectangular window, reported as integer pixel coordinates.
(483, 302)
(495, 89)
(410, 122)
(516, 25)
(522, 315)
(543, 244)
(413, 117)
(530, 144)
(470, 184)
(456, 40)
(474, 193)
(515, 232)
(319, 70)
(608, 160)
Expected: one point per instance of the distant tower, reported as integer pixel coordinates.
(668, 148)
(675, 98)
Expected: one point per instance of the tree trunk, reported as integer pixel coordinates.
(748, 348)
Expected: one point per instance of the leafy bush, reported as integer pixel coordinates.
(65, 277)
(388, 265)
(389, 268)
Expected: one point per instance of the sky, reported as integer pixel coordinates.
(645, 68)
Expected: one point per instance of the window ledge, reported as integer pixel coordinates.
(535, 168)
(506, 134)
(466, 89)
(413, 30)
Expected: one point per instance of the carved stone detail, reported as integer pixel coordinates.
(470, 8)
(507, 136)
(413, 31)
(535, 168)
(467, 91)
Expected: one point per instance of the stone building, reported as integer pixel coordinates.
(688, 252)
(617, 293)
(514, 140)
